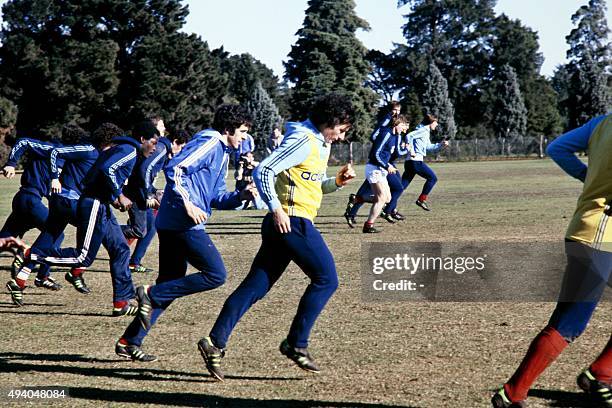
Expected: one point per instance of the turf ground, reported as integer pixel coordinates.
(393, 354)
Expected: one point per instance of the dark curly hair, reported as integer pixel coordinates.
(181, 136)
(229, 117)
(331, 110)
(73, 134)
(145, 129)
(105, 133)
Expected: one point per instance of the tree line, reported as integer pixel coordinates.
(91, 61)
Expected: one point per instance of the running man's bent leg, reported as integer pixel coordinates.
(427, 173)
(311, 254)
(269, 264)
(172, 265)
(395, 185)
(143, 243)
(119, 254)
(91, 229)
(204, 256)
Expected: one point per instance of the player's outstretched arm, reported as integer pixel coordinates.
(564, 148)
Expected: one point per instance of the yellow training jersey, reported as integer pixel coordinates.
(299, 187)
(293, 177)
(590, 223)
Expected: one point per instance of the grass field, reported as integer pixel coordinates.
(394, 354)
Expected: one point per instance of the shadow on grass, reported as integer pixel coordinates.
(10, 305)
(14, 363)
(20, 311)
(565, 399)
(254, 232)
(189, 399)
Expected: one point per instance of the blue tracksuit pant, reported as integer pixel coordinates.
(395, 185)
(176, 250)
(62, 211)
(305, 246)
(587, 274)
(143, 243)
(28, 212)
(96, 225)
(136, 227)
(414, 167)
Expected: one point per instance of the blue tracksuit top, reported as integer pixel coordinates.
(77, 160)
(36, 177)
(140, 182)
(108, 174)
(156, 162)
(385, 148)
(421, 143)
(562, 150)
(379, 127)
(196, 175)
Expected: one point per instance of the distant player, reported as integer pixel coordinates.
(394, 108)
(420, 145)
(379, 166)
(394, 180)
(195, 183)
(589, 265)
(291, 181)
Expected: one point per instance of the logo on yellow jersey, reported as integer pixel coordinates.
(310, 176)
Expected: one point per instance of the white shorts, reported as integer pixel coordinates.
(375, 174)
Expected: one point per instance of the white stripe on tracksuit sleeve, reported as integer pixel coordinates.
(293, 151)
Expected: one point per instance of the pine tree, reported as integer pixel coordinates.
(590, 36)
(587, 74)
(328, 57)
(264, 113)
(435, 100)
(590, 96)
(510, 119)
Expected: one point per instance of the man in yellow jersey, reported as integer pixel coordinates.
(299, 167)
(589, 264)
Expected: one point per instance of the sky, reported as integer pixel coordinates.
(266, 28)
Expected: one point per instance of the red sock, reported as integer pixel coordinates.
(544, 349)
(602, 367)
(118, 304)
(76, 272)
(123, 341)
(20, 282)
(423, 197)
(130, 241)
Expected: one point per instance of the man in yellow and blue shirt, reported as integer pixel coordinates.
(291, 181)
(589, 267)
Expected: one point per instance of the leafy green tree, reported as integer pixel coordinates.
(328, 57)
(94, 60)
(264, 113)
(435, 100)
(510, 120)
(177, 77)
(456, 35)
